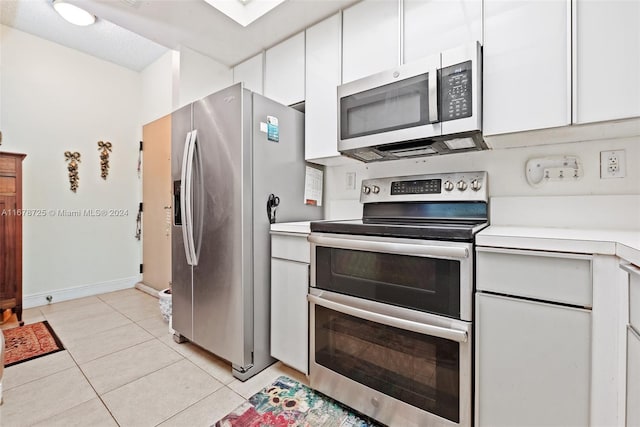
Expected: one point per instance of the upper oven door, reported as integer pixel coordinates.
(430, 276)
(392, 106)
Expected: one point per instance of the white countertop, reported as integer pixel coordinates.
(622, 243)
(301, 227)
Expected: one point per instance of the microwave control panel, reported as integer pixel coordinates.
(455, 92)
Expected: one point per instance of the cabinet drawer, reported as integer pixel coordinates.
(291, 246)
(541, 275)
(7, 184)
(7, 166)
(634, 296)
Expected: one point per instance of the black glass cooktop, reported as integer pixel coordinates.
(460, 231)
(429, 221)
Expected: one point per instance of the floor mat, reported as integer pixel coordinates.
(288, 403)
(29, 342)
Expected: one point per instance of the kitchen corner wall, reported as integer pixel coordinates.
(506, 169)
(160, 79)
(201, 76)
(56, 99)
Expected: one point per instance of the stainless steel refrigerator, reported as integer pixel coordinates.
(234, 155)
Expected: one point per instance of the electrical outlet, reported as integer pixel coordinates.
(613, 164)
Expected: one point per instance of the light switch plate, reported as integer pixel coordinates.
(350, 181)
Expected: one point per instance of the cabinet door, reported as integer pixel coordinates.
(433, 26)
(8, 248)
(370, 40)
(322, 79)
(607, 82)
(250, 72)
(532, 363)
(633, 378)
(289, 313)
(284, 71)
(526, 65)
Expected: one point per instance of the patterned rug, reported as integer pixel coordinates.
(287, 403)
(29, 342)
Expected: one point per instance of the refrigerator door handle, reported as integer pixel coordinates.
(185, 198)
(188, 221)
(197, 193)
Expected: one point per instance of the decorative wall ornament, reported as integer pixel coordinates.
(73, 159)
(104, 157)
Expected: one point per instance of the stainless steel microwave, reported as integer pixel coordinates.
(428, 107)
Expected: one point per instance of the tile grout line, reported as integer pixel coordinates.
(94, 390)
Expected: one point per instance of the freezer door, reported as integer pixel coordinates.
(219, 282)
(181, 278)
(278, 169)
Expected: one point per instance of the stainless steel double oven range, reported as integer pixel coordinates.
(391, 300)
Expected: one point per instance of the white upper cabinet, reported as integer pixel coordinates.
(250, 72)
(284, 71)
(371, 38)
(431, 26)
(526, 65)
(607, 77)
(322, 76)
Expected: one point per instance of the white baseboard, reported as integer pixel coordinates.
(147, 289)
(59, 295)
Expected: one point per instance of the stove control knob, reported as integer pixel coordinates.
(375, 189)
(476, 185)
(366, 190)
(462, 185)
(448, 185)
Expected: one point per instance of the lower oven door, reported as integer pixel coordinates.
(399, 366)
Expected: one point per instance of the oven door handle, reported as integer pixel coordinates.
(391, 248)
(407, 325)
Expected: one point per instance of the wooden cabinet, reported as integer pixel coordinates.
(526, 65)
(290, 257)
(533, 338)
(11, 233)
(431, 27)
(250, 73)
(284, 71)
(607, 45)
(370, 38)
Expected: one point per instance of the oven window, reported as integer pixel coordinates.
(420, 370)
(426, 284)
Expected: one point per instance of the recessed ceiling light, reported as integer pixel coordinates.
(73, 13)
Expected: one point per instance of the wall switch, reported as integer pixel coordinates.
(613, 164)
(351, 181)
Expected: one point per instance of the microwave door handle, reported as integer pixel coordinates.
(407, 325)
(433, 96)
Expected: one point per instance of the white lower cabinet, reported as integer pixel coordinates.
(289, 308)
(633, 378)
(633, 348)
(532, 363)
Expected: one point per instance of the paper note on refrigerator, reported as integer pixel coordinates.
(313, 186)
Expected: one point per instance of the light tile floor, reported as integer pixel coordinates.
(122, 367)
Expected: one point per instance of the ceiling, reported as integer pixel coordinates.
(133, 33)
